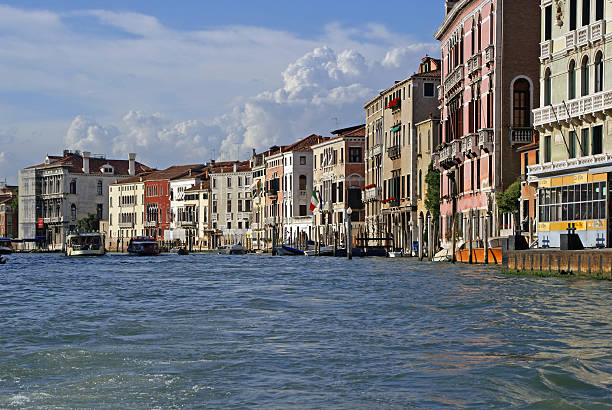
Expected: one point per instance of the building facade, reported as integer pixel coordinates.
(54, 195)
(489, 86)
(572, 176)
(338, 178)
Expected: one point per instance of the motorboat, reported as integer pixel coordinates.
(236, 249)
(6, 246)
(143, 246)
(85, 244)
(286, 250)
(478, 251)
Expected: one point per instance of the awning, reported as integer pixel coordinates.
(396, 128)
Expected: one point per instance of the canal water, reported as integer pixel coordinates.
(259, 331)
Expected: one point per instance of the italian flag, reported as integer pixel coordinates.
(314, 201)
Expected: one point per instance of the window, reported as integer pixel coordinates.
(73, 211)
(572, 144)
(586, 12)
(521, 109)
(585, 142)
(599, 10)
(99, 211)
(302, 182)
(73, 186)
(429, 90)
(302, 160)
(355, 154)
(547, 88)
(99, 187)
(229, 206)
(571, 81)
(599, 69)
(547, 23)
(597, 140)
(303, 211)
(584, 76)
(573, 14)
(547, 148)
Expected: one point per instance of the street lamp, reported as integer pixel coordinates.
(349, 251)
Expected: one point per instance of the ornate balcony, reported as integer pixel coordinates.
(485, 139)
(394, 152)
(521, 135)
(587, 105)
(469, 146)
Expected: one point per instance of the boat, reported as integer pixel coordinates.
(143, 246)
(286, 250)
(494, 251)
(6, 247)
(236, 249)
(85, 244)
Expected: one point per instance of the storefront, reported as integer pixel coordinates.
(579, 201)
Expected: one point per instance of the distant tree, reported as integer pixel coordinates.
(508, 201)
(432, 199)
(91, 223)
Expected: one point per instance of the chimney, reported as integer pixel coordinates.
(132, 168)
(86, 162)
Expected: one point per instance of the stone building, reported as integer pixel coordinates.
(338, 178)
(54, 195)
(575, 161)
(489, 86)
(391, 155)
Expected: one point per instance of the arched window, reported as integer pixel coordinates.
(547, 88)
(99, 188)
(302, 182)
(584, 77)
(521, 109)
(571, 81)
(73, 211)
(599, 69)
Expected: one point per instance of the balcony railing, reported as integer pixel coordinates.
(521, 135)
(490, 54)
(150, 224)
(394, 152)
(126, 224)
(485, 139)
(469, 145)
(589, 104)
(546, 48)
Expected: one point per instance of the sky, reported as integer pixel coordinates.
(189, 81)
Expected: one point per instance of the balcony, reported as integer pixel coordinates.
(546, 49)
(469, 146)
(521, 135)
(452, 79)
(485, 139)
(126, 224)
(394, 152)
(570, 41)
(490, 54)
(150, 224)
(587, 105)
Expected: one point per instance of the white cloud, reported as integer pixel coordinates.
(177, 96)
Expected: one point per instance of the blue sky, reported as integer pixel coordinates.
(182, 81)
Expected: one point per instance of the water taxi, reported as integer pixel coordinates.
(6, 247)
(143, 246)
(85, 244)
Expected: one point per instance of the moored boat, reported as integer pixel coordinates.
(85, 244)
(6, 247)
(143, 246)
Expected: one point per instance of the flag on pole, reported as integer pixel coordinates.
(314, 201)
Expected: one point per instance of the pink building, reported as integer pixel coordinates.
(490, 71)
